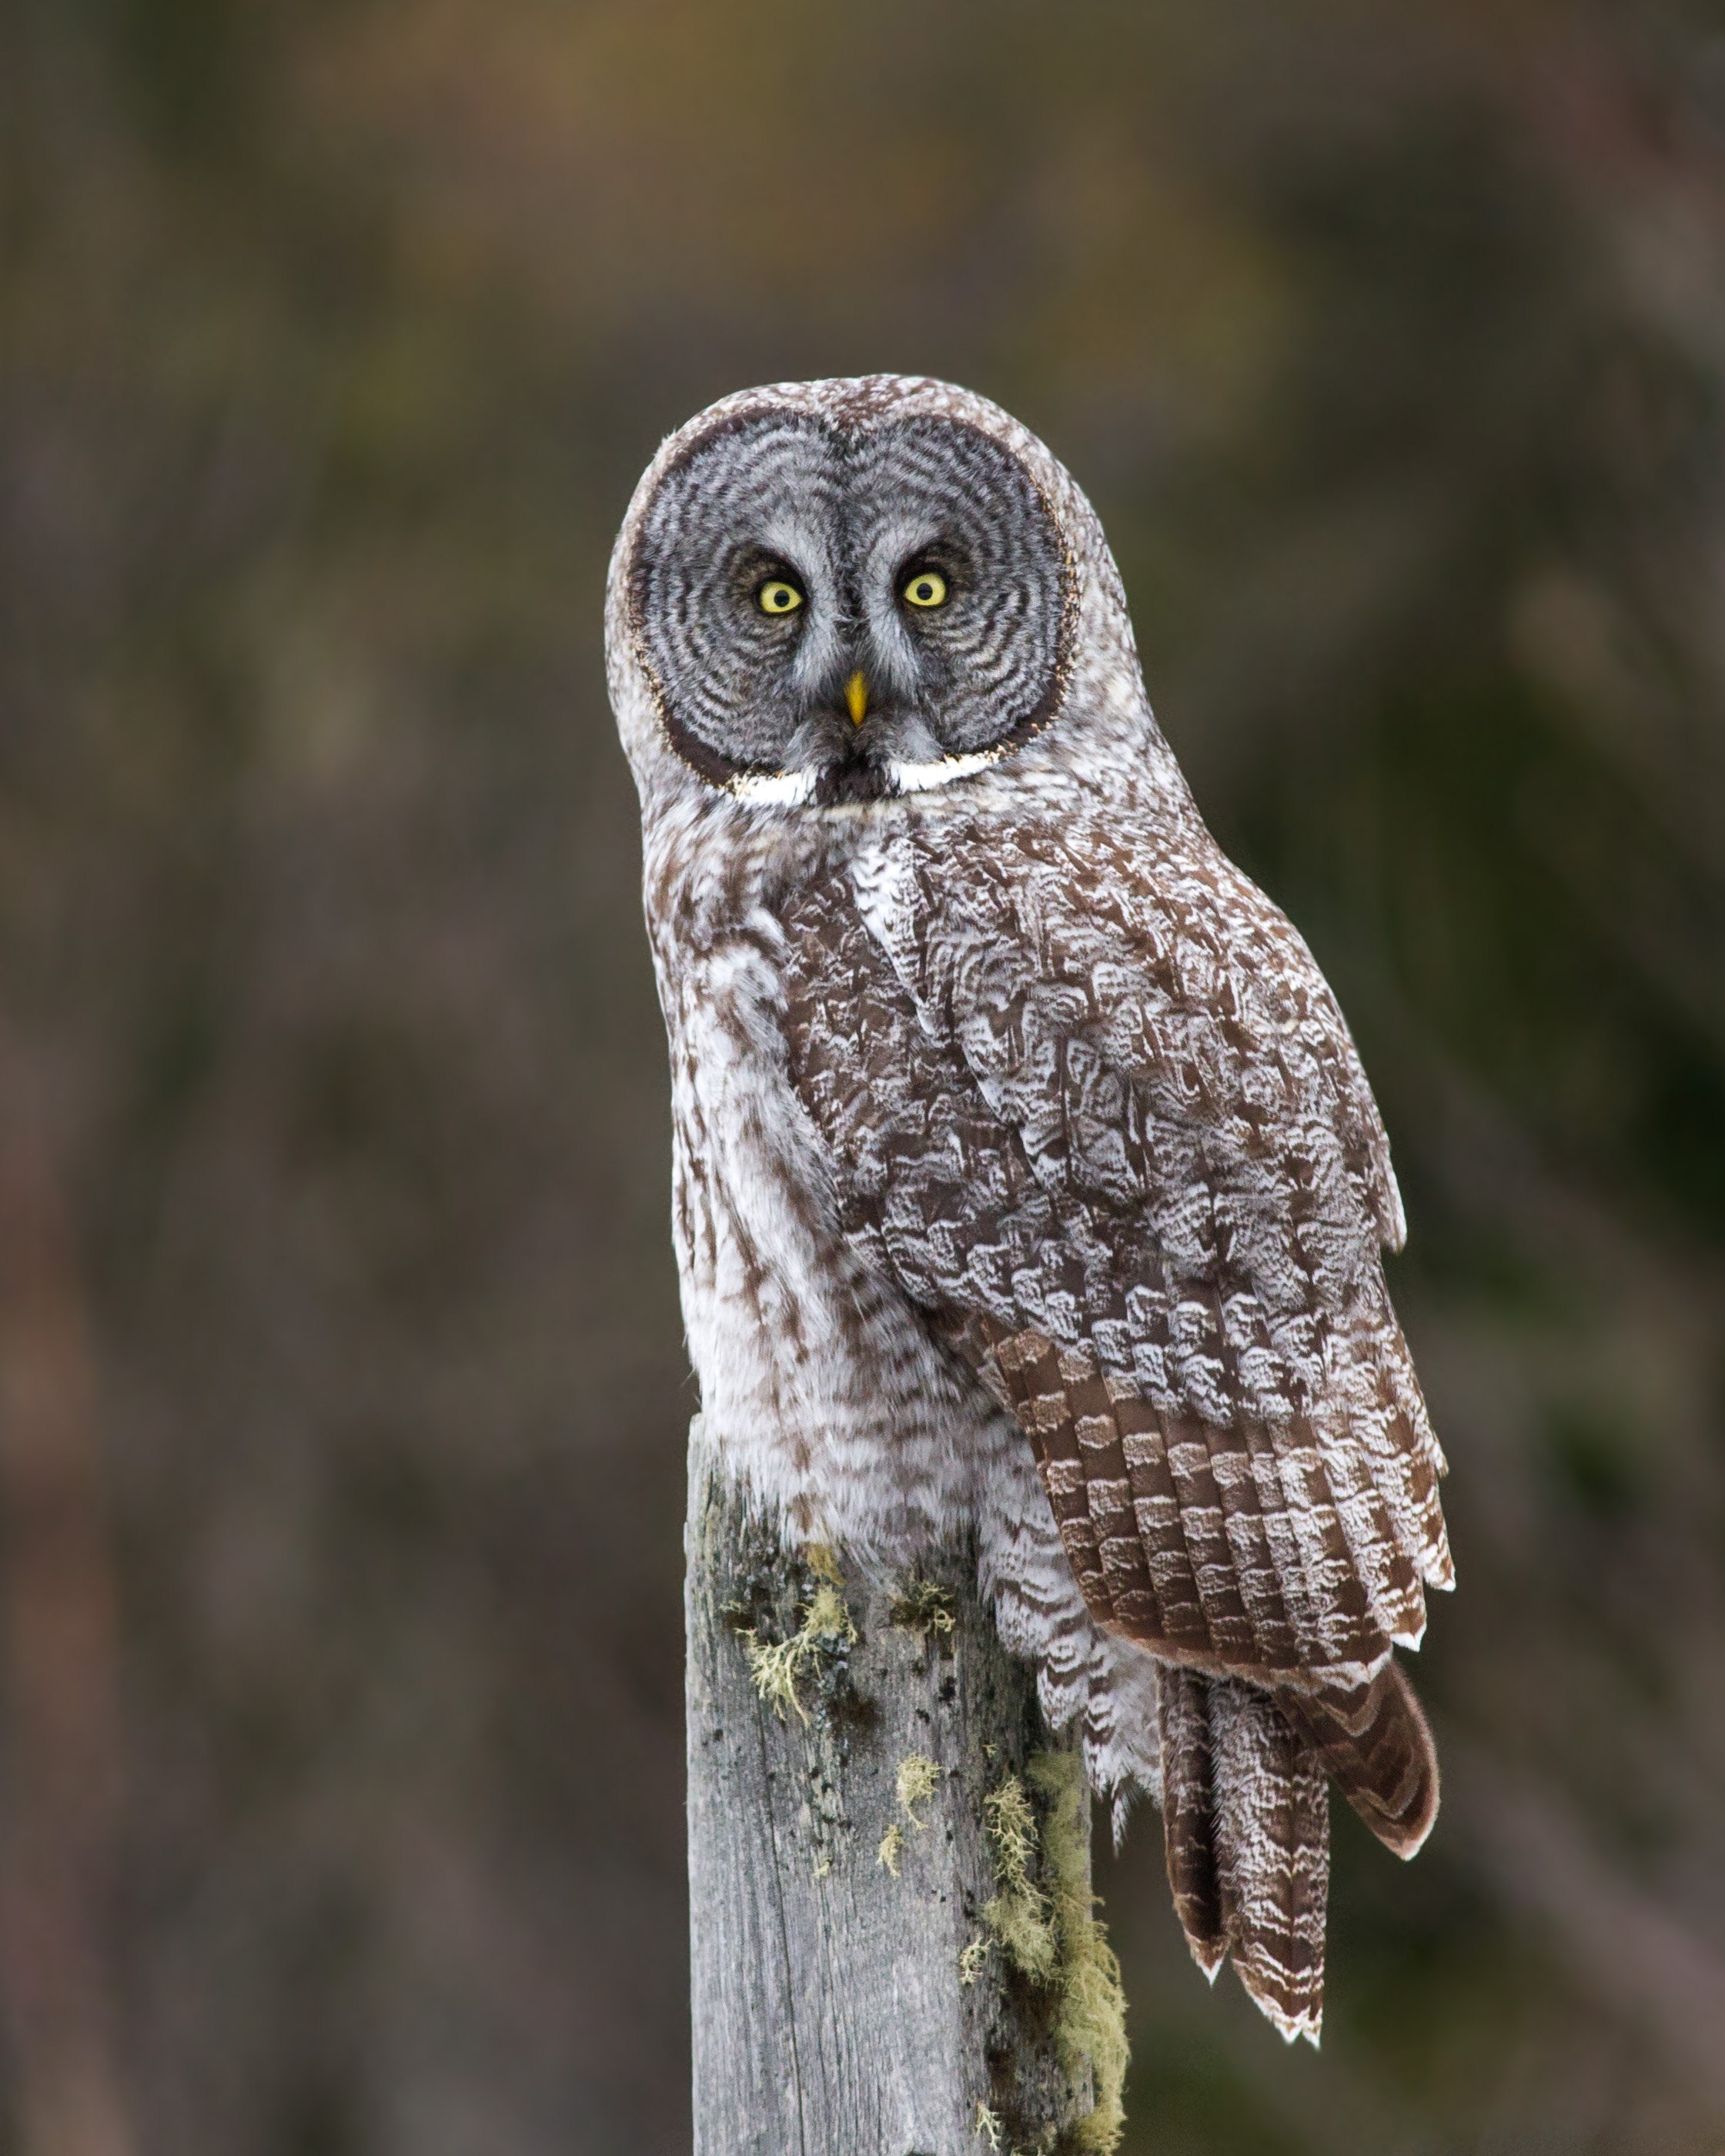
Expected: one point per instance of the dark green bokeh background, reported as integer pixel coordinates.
(343, 1392)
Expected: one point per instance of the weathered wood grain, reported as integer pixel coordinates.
(832, 2015)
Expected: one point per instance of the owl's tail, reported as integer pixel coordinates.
(1245, 1814)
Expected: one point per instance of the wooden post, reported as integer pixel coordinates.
(850, 1997)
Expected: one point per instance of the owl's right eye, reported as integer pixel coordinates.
(778, 596)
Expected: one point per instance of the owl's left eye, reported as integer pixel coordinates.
(925, 587)
(779, 596)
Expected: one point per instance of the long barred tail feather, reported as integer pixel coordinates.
(1245, 1814)
(1373, 1738)
(1273, 1856)
(1189, 1813)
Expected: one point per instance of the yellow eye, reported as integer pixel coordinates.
(926, 588)
(775, 596)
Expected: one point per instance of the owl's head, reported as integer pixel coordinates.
(836, 592)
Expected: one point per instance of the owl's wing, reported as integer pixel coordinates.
(1093, 1106)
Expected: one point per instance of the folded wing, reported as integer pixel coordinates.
(1101, 1117)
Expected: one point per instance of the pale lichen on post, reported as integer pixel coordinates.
(917, 1779)
(825, 1632)
(924, 1607)
(1049, 1930)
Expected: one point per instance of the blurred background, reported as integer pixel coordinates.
(342, 1394)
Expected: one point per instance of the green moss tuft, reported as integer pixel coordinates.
(1092, 2027)
(925, 1608)
(918, 1779)
(826, 1633)
(1018, 1915)
(1048, 1931)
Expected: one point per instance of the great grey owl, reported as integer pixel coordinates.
(1026, 1181)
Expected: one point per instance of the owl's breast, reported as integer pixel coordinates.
(818, 1379)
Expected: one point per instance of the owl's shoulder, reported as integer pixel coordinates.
(1115, 960)
(1135, 911)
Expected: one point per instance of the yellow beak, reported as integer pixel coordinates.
(856, 699)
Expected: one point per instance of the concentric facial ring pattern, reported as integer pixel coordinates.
(845, 514)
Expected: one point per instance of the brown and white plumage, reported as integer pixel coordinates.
(1001, 1093)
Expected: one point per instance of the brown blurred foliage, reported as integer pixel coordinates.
(343, 1396)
